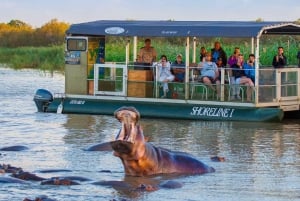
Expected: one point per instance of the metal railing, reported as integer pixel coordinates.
(275, 87)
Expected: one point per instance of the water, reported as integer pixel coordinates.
(262, 159)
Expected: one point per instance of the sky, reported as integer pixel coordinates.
(39, 12)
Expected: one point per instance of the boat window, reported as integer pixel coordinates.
(76, 44)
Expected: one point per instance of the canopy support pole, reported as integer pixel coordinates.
(252, 45)
(194, 49)
(187, 64)
(127, 52)
(135, 48)
(256, 70)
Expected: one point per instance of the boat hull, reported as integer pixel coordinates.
(169, 110)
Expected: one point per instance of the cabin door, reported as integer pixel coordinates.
(110, 79)
(76, 65)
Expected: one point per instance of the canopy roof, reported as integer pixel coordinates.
(183, 28)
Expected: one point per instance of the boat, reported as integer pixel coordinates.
(96, 86)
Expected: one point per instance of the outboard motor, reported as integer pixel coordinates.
(42, 99)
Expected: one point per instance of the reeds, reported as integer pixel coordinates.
(44, 58)
(52, 58)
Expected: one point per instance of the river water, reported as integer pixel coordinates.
(262, 159)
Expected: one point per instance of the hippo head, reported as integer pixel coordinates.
(129, 117)
(130, 137)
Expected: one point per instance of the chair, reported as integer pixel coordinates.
(194, 83)
(240, 88)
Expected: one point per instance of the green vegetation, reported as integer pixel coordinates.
(52, 57)
(45, 58)
(115, 47)
(22, 46)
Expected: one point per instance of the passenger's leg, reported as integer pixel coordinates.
(218, 87)
(248, 82)
(207, 82)
(232, 88)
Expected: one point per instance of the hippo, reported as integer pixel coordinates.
(59, 182)
(141, 158)
(7, 168)
(27, 176)
(217, 159)
(14, 148)
(40, 198)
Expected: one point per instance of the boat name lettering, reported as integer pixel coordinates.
(77, 102)
(114, 30)
(212, 112)
(169, 32)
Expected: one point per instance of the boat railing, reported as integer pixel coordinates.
(273, 87)
(280, 87)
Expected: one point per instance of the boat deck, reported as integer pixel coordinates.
(278, 88)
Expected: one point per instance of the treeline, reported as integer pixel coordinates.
(19, 34)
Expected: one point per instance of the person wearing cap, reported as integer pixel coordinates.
(147, 54)
(178, 69)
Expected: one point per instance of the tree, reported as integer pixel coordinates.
(53, 32)
(259, 19)
(19, 24)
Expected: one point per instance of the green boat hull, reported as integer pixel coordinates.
(168, 110)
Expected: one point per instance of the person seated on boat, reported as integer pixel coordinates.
(202, 53)
(220, 65)
(234, 57)
(210, 73)
(249, 67)
(232, 60)
(178, 69)
(238, 72)
(147, 54)
(279, 60)
(164, 74)
(217, 52)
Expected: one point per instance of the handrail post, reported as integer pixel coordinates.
(222, 84)
(278, 84)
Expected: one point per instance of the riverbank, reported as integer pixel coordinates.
(44, 58)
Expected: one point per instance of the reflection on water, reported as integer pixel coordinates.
(262, 159)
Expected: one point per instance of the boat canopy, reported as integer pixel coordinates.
(183, 28)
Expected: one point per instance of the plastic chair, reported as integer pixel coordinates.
(194, 83)
(231, 85)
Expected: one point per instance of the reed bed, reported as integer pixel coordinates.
(44, 58)
(52, 58)
(172, 47)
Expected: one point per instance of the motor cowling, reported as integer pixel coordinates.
(42, 99)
